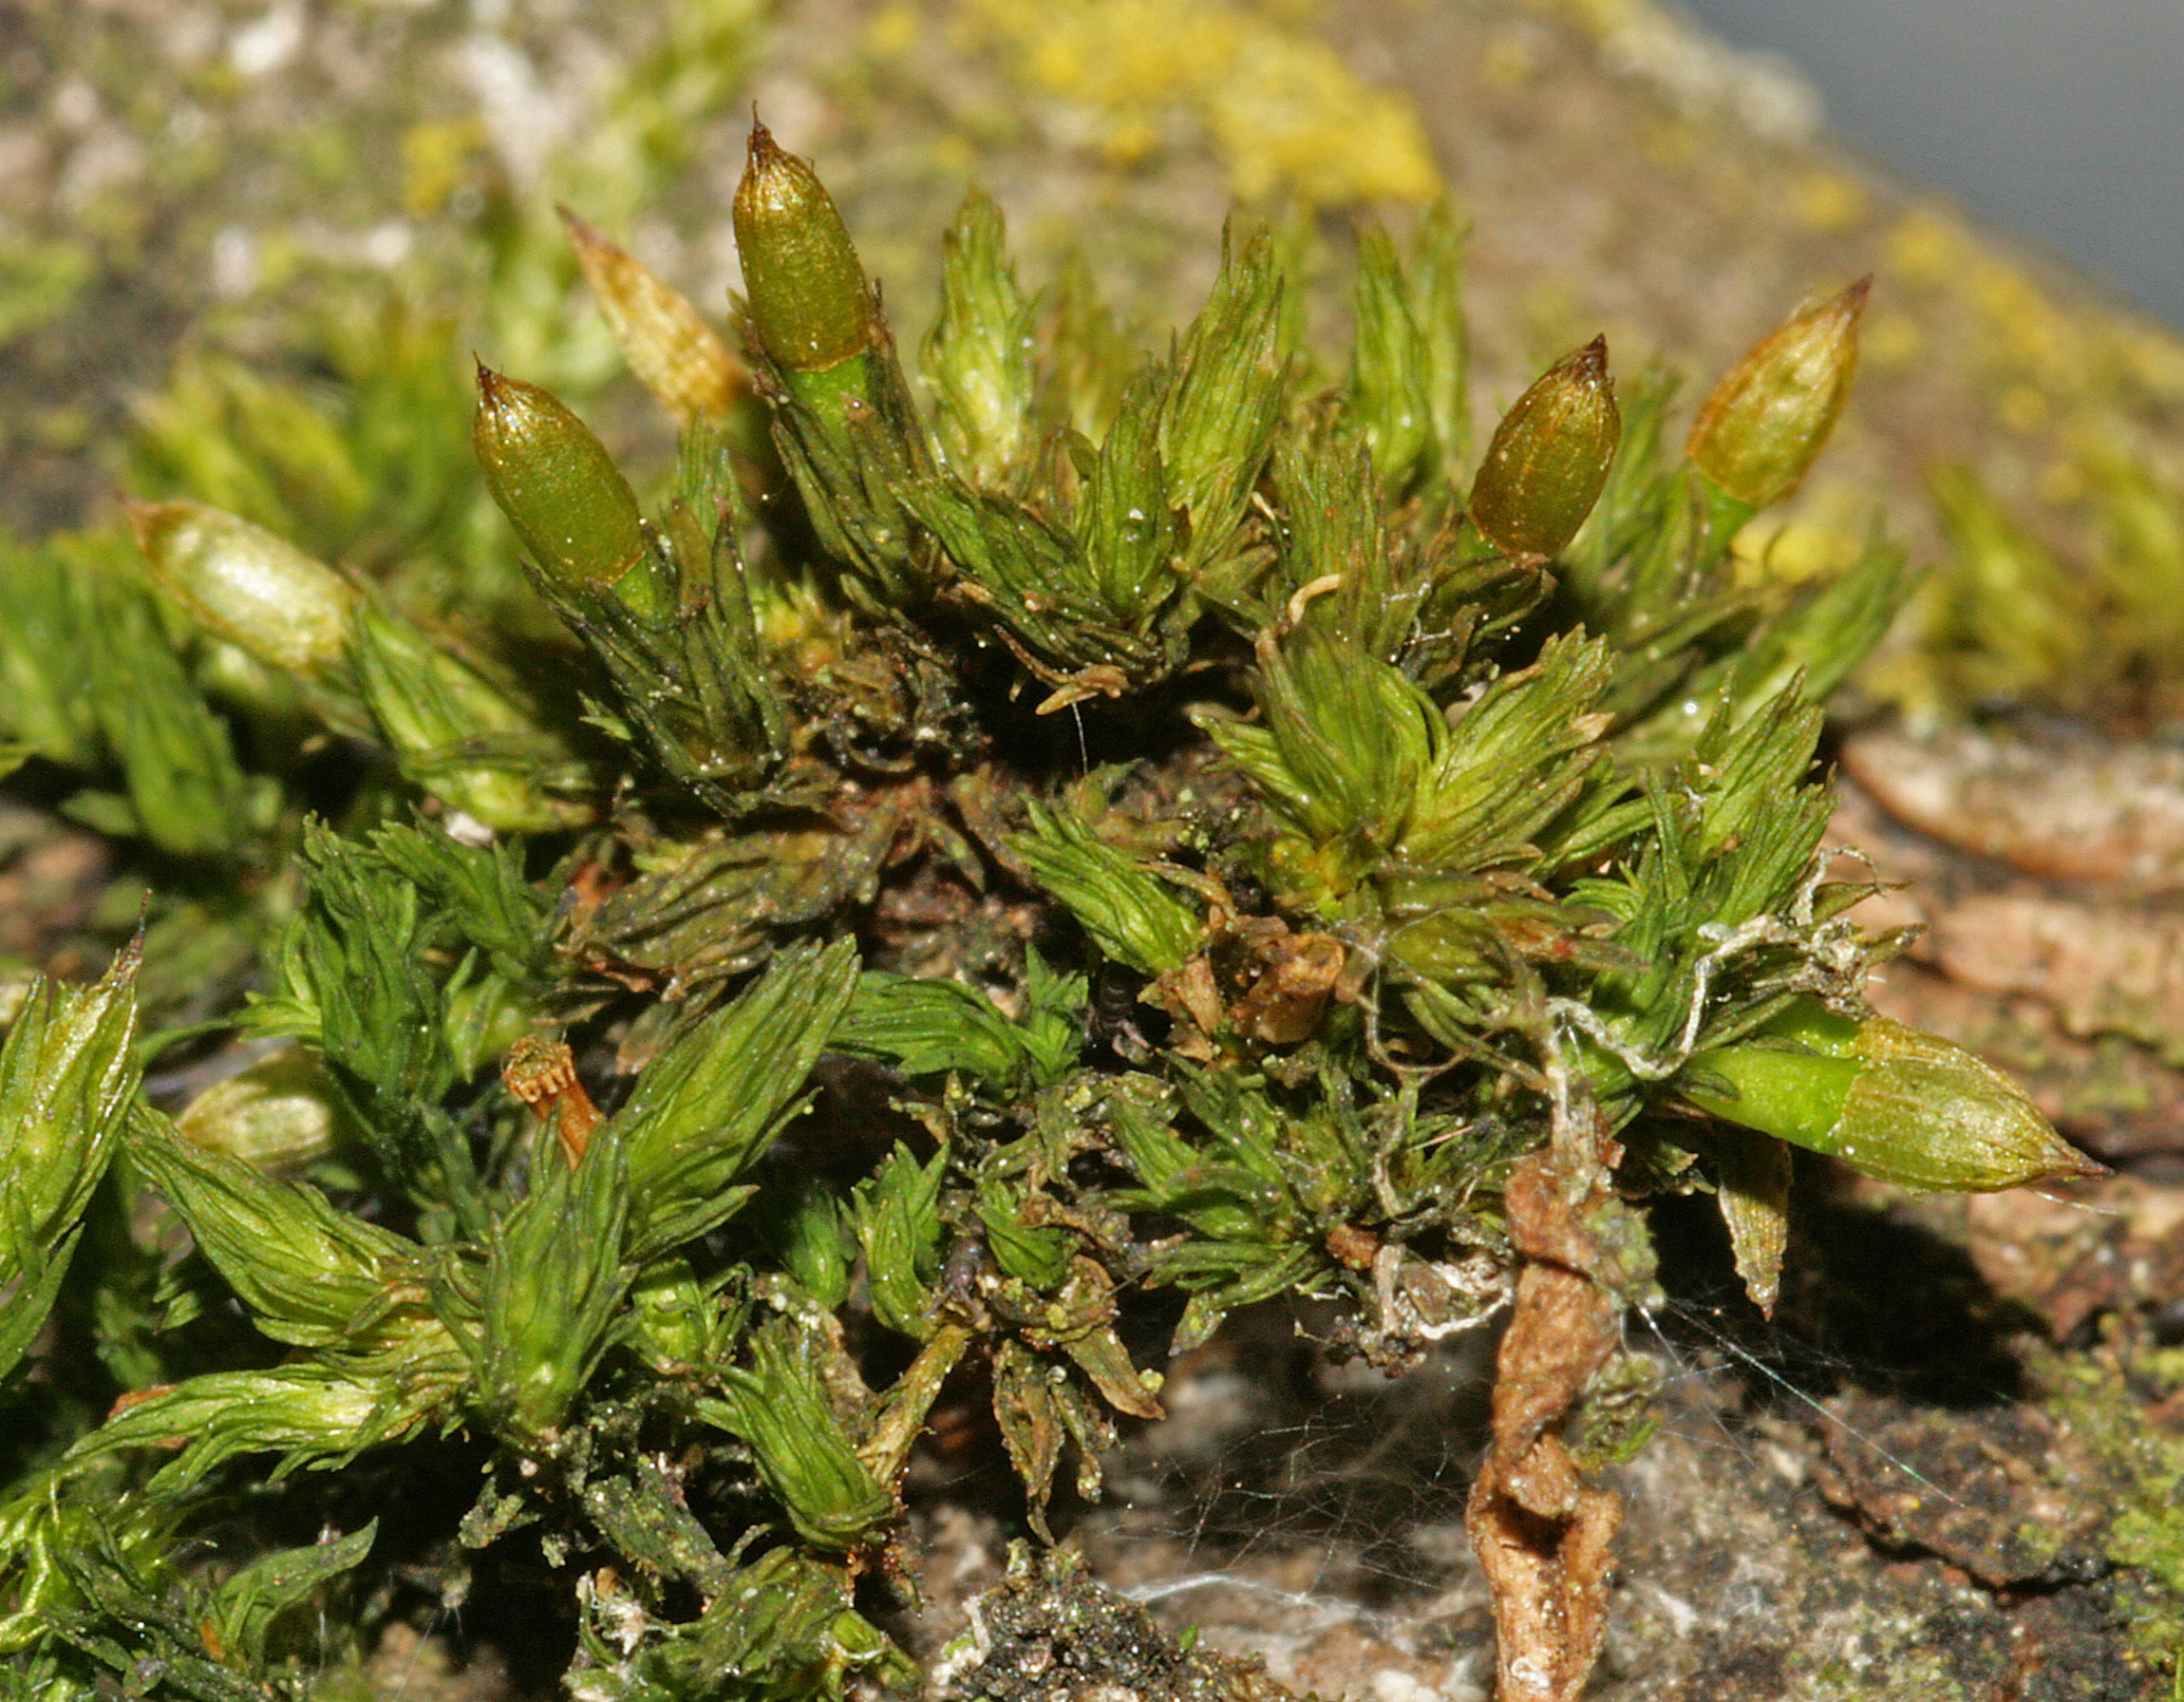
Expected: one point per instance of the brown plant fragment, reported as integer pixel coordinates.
(1025, 1408)
(1191, 994)
(1298, 972)
(1541, 1533)
(136, 1397)
(542, 1074)
(1351, 1246)
(2064, 809)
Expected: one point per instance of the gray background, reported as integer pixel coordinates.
(2063, 120)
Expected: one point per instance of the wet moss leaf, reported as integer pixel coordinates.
(1753, 1180)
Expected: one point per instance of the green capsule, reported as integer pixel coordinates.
(320, 1412)
(574, 513)
(68, 1076)
(1549, 458)
(810, 303)
(1891, 1103)
(673, 1323)
(1767, 421)
(276, 1116)
(780, 1409)
(554, 1294)
(258, 592)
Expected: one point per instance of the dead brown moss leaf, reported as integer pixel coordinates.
(1542, 1534)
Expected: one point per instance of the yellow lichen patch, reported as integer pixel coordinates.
(1599, 17)
(1830, 201)
(1924, 247)
(436, 157)
(1511, 60)
(2022, 407)
(1284, 111)
(954, 156)
(894, 31)
(2076, 606)
(1891, 342)
(2076, 357)
(1669, 140)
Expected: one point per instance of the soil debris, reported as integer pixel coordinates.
(2101, 968)
(2078, 991)
(1049, 1633)
(1985, 1490)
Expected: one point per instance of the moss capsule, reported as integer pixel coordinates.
(569, 505)
(810, 304)
(674, 353)
(1767, 421)
(1549, 458)
(258, 592)
(1891, 1103)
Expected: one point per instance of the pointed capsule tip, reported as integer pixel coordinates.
(143, 518)
(572, 510)
(1845, 308)
(596, 252)
(1548, 458)
(492, 388)
(1588, 364)
(1765, 423)
(811, 306)
(764, 151)
(130, 958)
(581, 231)
(150, 522)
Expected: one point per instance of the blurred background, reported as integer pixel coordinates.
(245, 246)
(2062, 122)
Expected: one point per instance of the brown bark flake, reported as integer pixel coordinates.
(2067, 810)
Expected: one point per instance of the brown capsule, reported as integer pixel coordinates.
(1550, 458)
(1767, 421)
(674, 353)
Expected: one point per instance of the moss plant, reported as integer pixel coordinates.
(1249, 855)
